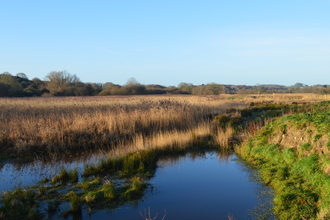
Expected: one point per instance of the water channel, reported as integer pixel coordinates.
(200, 185)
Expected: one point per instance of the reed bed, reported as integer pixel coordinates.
(224, 137)
(58, 126)
(279, 98)
(62, 126)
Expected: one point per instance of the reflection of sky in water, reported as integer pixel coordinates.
(14, 174)
(201, 188)
(198, 186)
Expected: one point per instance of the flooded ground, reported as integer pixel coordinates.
(207, 185)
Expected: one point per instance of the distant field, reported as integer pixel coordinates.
(55, 126)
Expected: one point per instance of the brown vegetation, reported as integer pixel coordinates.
(57, 126)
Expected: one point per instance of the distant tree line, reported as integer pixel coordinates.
(62, 83)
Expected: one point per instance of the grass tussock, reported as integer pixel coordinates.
(19, 203)
(66, 177)
(130, 164)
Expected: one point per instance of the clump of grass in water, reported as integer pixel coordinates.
(75, 204)
(66, 176)
(135, 189)
(104, 194)
(42, 190)
(141, 162)
(108, 190)
(93, 183)
(19, 204)
(91, 197)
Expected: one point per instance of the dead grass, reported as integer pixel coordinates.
(225, 137)
(279, 98)
(57, 126)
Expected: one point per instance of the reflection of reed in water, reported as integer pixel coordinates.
(21, 172)
(224, 156)
(170, 160)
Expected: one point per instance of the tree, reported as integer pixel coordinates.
(198, 90)
(132, 81)
(186, 87)
(61, 82)
(4, 89)
(132, 87)
(13, 86)
(298, 85)
(109, 86)
(21, 75)
(213, 89)
(136, 89)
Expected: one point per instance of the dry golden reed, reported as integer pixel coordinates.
(56, 126)
(225, 137)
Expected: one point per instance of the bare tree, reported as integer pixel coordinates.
(59, 81)
(132, 81)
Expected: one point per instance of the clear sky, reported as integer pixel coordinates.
(167, 42)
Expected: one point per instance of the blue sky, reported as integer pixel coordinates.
(168, 42)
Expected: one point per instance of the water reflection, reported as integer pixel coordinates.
(170, 160)
(202, 185)
(197, 185)
(263, 208)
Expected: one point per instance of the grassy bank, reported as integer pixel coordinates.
(292, 154)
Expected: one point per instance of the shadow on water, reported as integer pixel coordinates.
(196, 185)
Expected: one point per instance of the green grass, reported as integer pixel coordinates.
(66, 177)
(108, 190)
(142, 162)
(93, 183)
(19, 204)
(297, 175)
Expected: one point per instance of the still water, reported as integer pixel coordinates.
(201, 186)
(208, 185)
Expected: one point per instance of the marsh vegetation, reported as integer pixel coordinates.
(56, 127)
(133, 133)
